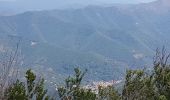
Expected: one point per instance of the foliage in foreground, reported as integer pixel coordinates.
(32, 89)
(139, 85)
(73, 90)
(152, 85)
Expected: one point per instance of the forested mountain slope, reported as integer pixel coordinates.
(106, 40)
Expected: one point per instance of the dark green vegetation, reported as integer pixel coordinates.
(32, 89)
(153, 85)
(105, 40)
(73, 91)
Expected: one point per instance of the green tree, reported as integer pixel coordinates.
(35, 88)
(16, 91)
(138, 86)
(32, 89)
(108, 93)
(30, 83)
(72, 89)
(162, 74)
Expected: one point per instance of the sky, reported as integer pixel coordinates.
(73, 1)
(106, 1)
(57, 4)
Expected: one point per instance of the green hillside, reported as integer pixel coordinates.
(105, 39)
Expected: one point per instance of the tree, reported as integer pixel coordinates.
(162, 74)
(155, 85)
(16, 91)
(72, 89)
(108, 93)
(9, 64)
(35, 89)
(138, 86)
(31, 90)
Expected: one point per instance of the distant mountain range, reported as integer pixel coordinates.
(27, 5)
(105, 40)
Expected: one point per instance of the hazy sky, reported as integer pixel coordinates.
(106, 1)
(75, 1)
(53, 4)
